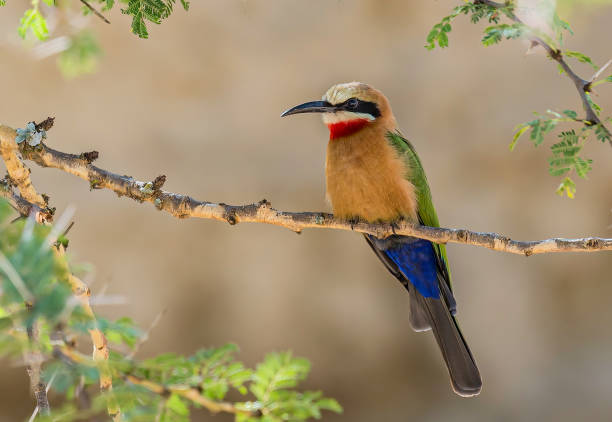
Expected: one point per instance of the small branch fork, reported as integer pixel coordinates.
(29, 203)
(183, 206)
(94, 11)
(582, 86)
(190, 393)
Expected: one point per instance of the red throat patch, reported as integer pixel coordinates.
(346, 128)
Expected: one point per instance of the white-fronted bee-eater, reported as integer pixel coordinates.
(373, 174)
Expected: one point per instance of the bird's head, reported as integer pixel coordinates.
(348, 108)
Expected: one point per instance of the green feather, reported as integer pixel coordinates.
(416, 176)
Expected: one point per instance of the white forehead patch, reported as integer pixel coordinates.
(345, 116)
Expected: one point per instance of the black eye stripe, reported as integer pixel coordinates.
(366, 107)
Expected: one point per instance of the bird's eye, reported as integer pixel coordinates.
(352, 103)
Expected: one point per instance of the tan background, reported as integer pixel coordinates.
(200, 102)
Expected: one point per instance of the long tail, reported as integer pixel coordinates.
(414, 259)
(464, 374)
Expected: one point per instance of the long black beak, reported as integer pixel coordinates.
(311, 107)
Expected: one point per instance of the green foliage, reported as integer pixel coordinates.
(477, 11)
(29, 272)
(164, 387)
(151, 10)
(565, 156)
(272, 383)
(495, 33)
(582, 58)
(81, 57)
(560, 27)
(567, 187)
(34, 21)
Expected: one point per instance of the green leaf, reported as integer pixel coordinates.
(151, 10)
(602, 133)
(109, 5)
(495, 33)
(50, 3)
(571, 114)
(567, 187)
(582, 58)
(565, 156)
(592, 103)
(330, 404)
(278, 371)
(517, 135)
(559, 25)
(177, 405)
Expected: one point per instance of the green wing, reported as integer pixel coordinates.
(416, 176)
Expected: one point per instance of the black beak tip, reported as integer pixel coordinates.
(310, 107)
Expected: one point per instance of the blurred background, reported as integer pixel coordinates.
(200, 102)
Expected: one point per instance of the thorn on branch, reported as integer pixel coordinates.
(158, 182)
(462, 235)
(555, 54)
(45, 125)
(90, 156)
(593, 244)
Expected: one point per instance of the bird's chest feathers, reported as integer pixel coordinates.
(366, 180)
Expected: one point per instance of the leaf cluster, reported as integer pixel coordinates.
(35, 290)
(562, 162)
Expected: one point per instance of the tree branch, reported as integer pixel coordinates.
(100, 345)
(183, 206)
(21, 175)
(94, 11)
(582, 86)
(22, 206)
(18, 172)
(185, 391)
(34, 361)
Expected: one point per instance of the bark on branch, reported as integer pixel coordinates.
(28, 203)
(183, 206)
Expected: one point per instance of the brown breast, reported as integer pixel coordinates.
(366, 179)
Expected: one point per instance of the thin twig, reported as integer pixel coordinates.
(100, 345)
(183, 206)
(189, 393)
(95, 12)
(30, 201)
(582, 86)
(34, 361)
(601, 70)
(146, 334)
(37, 409)
(194, 394)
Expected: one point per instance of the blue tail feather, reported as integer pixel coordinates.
(416, 259)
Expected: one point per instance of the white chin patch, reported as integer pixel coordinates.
(344, 116)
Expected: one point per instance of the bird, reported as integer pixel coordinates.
(373, 174)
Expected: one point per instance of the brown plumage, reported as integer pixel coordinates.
(374, 174)
(378, 189)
